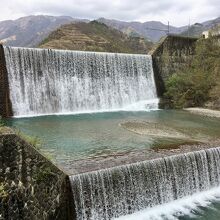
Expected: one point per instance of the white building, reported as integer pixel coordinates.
(215, 31)
(205, 34)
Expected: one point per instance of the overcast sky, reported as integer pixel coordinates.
(178, 12)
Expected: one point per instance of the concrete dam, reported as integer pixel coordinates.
(43, 83)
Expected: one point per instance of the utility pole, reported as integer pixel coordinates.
(188, 42)
(188, 27)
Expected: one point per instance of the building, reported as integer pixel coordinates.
(205, 34)
(214, 32)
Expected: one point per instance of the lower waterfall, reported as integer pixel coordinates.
(111, 193)
(45, 81)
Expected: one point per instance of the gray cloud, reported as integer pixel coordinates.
(177, 12)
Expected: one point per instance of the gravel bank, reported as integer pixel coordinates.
(204, 112)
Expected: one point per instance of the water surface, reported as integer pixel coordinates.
(90, 135)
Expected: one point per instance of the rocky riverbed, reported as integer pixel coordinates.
(204, 112)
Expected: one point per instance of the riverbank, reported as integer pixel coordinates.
(204, 112)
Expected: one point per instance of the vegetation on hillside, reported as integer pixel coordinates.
(199, 83)
(95, 36)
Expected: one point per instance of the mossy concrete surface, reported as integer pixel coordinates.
(169, 56)
(31, 187)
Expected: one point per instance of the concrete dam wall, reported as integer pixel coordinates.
(43, 81)
(171, 55)
(32, 187)
(5, 103)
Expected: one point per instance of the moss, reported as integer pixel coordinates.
(5, 130)
(34, 141)
(3, 192)
(172, 146)
(43, 175)
(48, 155)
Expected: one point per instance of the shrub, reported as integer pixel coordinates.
(188, 89)
(193, 85)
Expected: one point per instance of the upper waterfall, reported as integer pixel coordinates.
(44, 81)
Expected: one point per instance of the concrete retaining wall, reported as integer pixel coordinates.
(171, 55)
(5, 104)
(31, 187)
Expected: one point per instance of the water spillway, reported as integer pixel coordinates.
(46, 81)
(111, 193)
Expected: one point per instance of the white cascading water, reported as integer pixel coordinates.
(46, 81)
(120, 191)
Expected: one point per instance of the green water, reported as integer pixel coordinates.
(91, 135)
(210, 212)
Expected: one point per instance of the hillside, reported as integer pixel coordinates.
(95, 36)
(146, 29)
(31, 30)
(196, 30)
(143, 29)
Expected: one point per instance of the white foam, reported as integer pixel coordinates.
(176, 208)
(142, 106)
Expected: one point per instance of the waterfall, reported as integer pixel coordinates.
(44, 81)
(114, 192)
